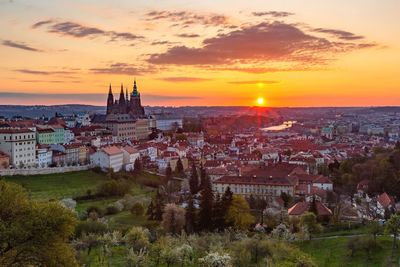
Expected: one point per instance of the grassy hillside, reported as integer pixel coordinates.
(333, 252)
(60, 185)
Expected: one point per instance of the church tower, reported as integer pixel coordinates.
(110, 101)
(135, 105)
(122, 104)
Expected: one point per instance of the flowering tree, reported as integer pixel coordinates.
(215, 259)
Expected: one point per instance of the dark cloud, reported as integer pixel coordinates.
(41, 72)
(274, 42)
(184, 79)
(77, 30)
(186, 18)
(18, 45)
(253, 82)
(275, 14)
(162, 42)
(49, 81)
(344, 35)
(188, 35)
(121, 68)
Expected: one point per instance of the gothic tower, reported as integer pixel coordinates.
(110, 101)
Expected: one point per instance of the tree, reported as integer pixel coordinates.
(137, 238)
(239, 215)
(203, 177)
(137, 166)
(179, 168)
(194, 180)
(374, 229)
(206, 207)
(168, 172)
(215, 259)
(114, 188)
(137, 209)
(190, 216)
(33, 233)
(393, 228)
(309, 221)
(173, 218)
(156, 207)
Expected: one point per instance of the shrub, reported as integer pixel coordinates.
(137, 209)
(110, 210)
(114, 188)
(88, 227)
(137, 238)
(95, 209)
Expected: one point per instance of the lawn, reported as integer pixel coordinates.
(60, 185)
(333, 252)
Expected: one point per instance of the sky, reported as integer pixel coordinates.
(202, 53)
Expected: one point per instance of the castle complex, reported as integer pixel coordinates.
(125, 105)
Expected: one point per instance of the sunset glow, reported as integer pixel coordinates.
(294, 53)
(260, 101)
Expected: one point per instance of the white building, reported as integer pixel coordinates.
(44, 156)
(130, 156)
(108, 158)
(19, 144)
(69, 136)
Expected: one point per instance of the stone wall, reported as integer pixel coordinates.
(36, 171)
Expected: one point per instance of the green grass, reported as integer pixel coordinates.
(60, 185)
(96, 258)
(355, 231)
(125, 220)
(333, 252)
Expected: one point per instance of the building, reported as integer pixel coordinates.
(19, 144)
(262, 187)
(108, 158)
(44, 156)
(130, 156)
(124, 105)
(125, 117)
(45, 136)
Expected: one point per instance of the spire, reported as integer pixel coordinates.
(135, 91)
(126, 95)
(110, 100)
(110, 90)
(122, 95)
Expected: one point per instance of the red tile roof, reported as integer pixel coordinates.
(302, 207)
(385, 200)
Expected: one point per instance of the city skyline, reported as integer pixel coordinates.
(201, 54)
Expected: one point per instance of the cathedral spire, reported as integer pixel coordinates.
(122, 95)
(126, 95)
(135, 91)
(110, 100)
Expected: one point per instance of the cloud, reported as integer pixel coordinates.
(18, 45)
(77, 30)
(187, 18)
(188, 35)
(184, 79)
(253, 82)
(275, 14)
(344, 35)
(49, 81)
(42, 72)
(260, 43)
(162, 43)
(83, 98)
(121, 68)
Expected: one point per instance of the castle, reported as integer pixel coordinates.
(125, 105)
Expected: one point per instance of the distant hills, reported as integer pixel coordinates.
(9, 111)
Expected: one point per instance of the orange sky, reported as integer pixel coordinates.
(325, 53)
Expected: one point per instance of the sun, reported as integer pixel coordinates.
(260, 101)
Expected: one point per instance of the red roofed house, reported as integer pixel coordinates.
(322, 211)
(385, 202)
(110, 157)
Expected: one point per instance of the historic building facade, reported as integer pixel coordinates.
(125, 116)
(126, 104)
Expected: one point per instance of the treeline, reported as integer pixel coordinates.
(203, 211)
(381, 169)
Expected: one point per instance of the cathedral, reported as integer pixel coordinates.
(126, 104)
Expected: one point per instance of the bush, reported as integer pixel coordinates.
(114, 188)
(90, 227)
(110, 210)
(137, 209)
(96, 210)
